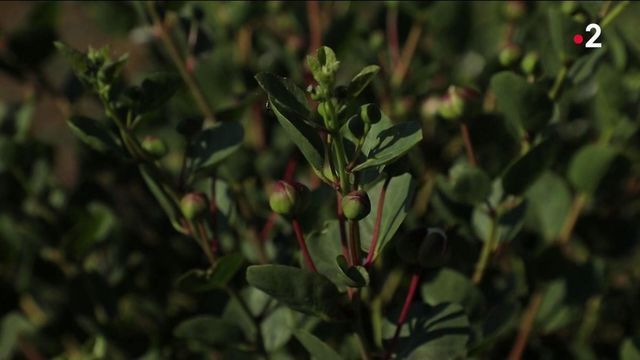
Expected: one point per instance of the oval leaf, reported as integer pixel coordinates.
(352, 276)
(209, 330)
(94, 134)
(526, 170)
(212, 145)
(362, 79)
(301, 290)
(218, 276)
(589, 167)
(316, 347)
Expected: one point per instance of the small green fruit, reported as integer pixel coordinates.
(193, 205)
(356, 205)
(452, 104)
(154, 146)
(425, 247)
(529, 63)
(509, 55)
(370, 113)
(289, 199)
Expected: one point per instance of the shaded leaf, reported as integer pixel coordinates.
(289, 104)
(352, 276)
(209, 330)
(218, 276)
(93, 133)
(12, 327)
(589, 166)
(549, 201)
(449, 286)
(164, 199)
(526, 170)
(316, 347)
(212, 145)
(362, 79)
(324, 247)
(526, 105)
(156, 89)
(630, 349)
(468, 184)
(509, 222)
(439, 332)
(301, 290)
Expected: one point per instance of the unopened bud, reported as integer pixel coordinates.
(289, 198)
(356, 205)
(154, 146)
(193, 205)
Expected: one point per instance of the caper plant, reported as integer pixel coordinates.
(354, 149)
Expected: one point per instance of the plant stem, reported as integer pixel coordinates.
(590, 319)
(570, 222)
(464, 131)
(213, 211)
(360, 333)
(341, 160)
(315, 30)
(179, 62)
(487, 248)
(392, 35)
(526, 325)
(303, 245)
(614, 13)
(415, 280)
(407, 53)
(354, 242)
(559, 81)
(341, 225)
(204, 242)
(376, 226)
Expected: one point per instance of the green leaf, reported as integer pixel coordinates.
(439, 332)
(156, 89)
(94, 134)
(525, 105)
(301, 290)
(209, 330)
(549, 201)
(526, 170)
(218, 276)
(289, 104)
(508, 226)
(554, 313)
(561, 29)
(386, 142)
(362, 80)
(468, 184)
(277, 328)
(92, 226)
(212, 145)
(316, 347)
(324, 247)
(630, 349)
(449, 286)
(77, 60)
(352, 276)
(397, 202)
(589, 166)
(13, 326)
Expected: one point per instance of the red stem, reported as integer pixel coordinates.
(313, 16)
(468, 145)
(376, 226)
(213, 210)
(392, 36)
(415, 280)
(290, 170)
(303, 245)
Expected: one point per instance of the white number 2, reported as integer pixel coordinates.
(592, 42)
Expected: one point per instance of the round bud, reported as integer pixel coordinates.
(370, 113)
(452, 104)
(509, 54)
(356, 205)
(193, 205)
(529, 62)
(426, 247)
(289, 198)
(154, 146)
(190, 126)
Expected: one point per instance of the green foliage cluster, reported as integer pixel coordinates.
(447, 180)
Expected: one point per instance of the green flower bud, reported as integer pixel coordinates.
(509, 54)
(356, 205)
(425, 247)
(529, 62)
(289, 199)
(452, 104)
(326, 110)
(193, 205)
(154, 146)
(514, 9)
(370, 113)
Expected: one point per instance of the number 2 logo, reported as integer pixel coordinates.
(592, 41)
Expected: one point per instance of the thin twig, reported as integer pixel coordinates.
(415, 280)
(526, 326)
(179, 62)
(315, 29)
(468, 145)
(392, 36)
(570, 222)
(400, 71)
(303, 245)
(354, 242)
(614, 13)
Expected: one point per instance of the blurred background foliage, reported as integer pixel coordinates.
(89, 262)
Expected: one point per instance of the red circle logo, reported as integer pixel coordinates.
(578, 39)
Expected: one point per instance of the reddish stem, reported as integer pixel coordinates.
(268, 226)
(464, 130)
(392, 36)
(303, 245)
(376, 226)
(290, 170)
(313, 16)
(415, 280)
